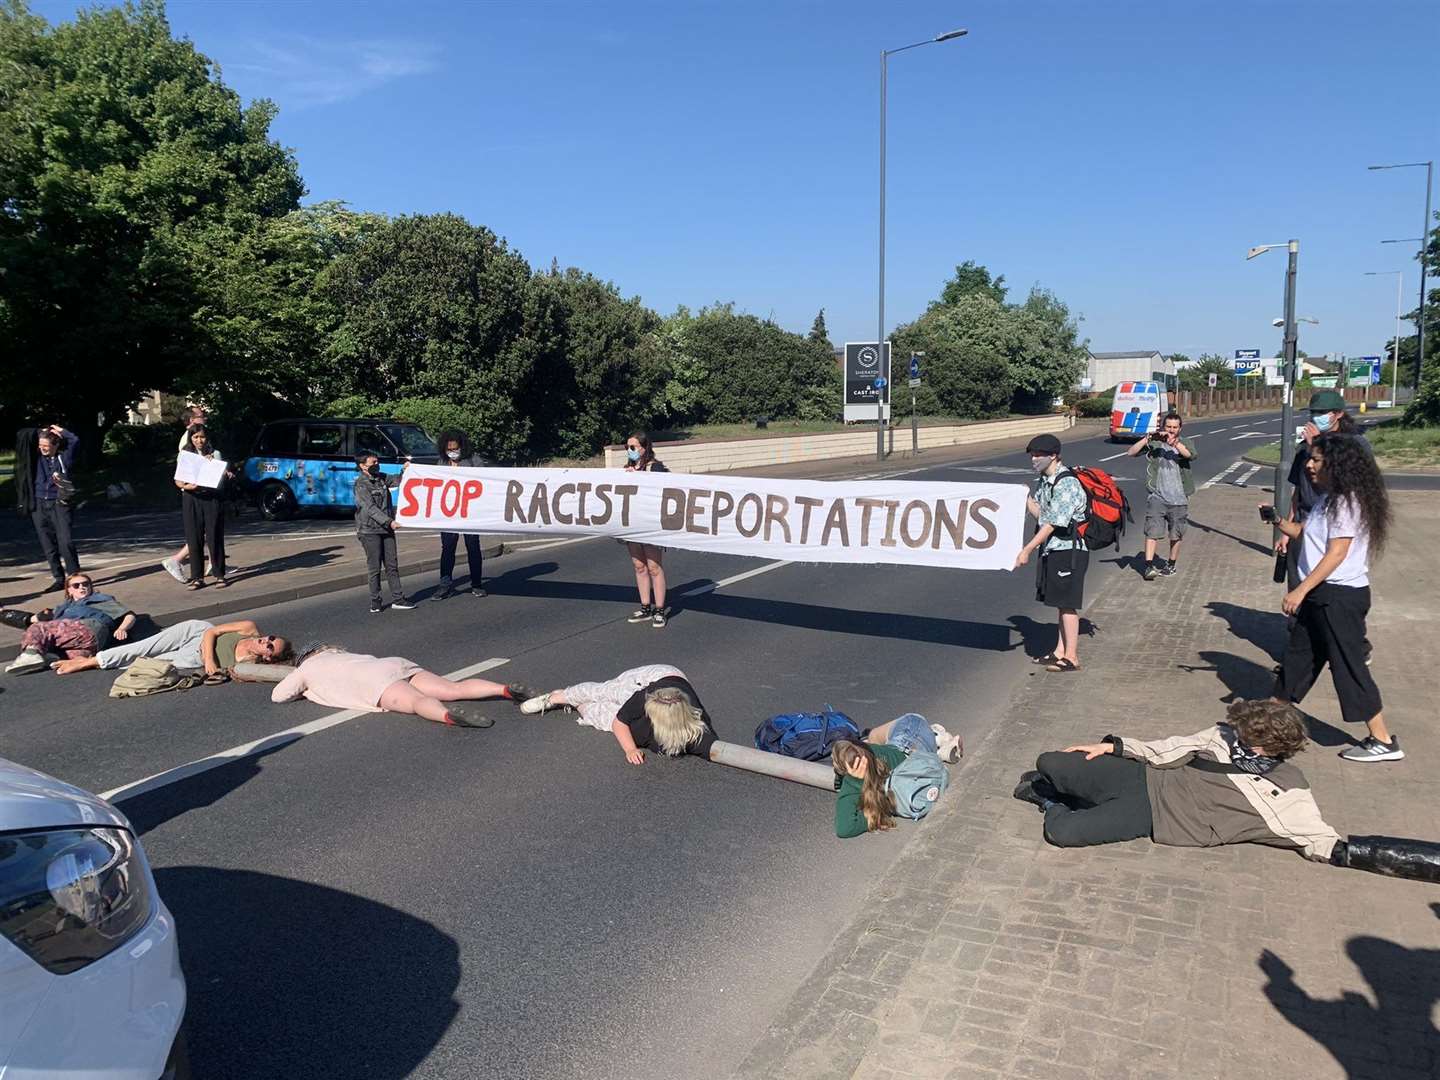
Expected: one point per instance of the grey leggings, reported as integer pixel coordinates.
(180, 644)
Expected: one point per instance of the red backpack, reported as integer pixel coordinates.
(1106, 508)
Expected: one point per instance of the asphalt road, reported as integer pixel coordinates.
(390, 898)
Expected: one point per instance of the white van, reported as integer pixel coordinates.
(1137, 410)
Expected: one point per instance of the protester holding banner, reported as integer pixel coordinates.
(646, 558)
(204, 514)
(375, 529)
(646, 708)
(1059, 505)
(454, 447)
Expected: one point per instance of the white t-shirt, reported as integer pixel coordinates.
(1320, 529)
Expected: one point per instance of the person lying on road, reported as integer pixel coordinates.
(192, 646)
(646, 708)
(328, 675)
(867, 795)
(1229, 784)
(79, 626)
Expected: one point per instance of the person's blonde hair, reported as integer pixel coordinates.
(876, 802)
(79, 575)
(676, 720)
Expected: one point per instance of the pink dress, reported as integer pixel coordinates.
(344, 680)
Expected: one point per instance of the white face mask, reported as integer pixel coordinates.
(1322, 422)
(453, 455)
(1040, 464)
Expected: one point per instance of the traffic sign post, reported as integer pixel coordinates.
(914, 384)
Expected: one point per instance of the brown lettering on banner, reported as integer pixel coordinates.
(513, 488)
(867, 506)
(837, 519)
(602, 495)
(560, 516)
(915, 540)
(751, 500)
(892, 506)
(724, 503)
(809, 504)
(625, 491)
(694, 507)
(580, 518)
(777, 507)
(672, 509)
(985, 523)
(539, 505)
(945, 524)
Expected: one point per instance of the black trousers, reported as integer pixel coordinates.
(204, 527)
(448, 542)
(1330, 628)
(1110, 791)
(51, 519)
(380, 549)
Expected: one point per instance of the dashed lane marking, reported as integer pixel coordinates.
(713, 585)
(1220, 476)
(269, 742)
(1244, 480)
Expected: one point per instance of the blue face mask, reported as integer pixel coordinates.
(1323, 422)
(633, 455)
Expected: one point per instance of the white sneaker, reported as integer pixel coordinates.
(172, 567)
(535, 705)
(950, 747)
(29, 660)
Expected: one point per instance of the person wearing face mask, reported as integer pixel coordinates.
(646, 558)
(375, 527)
(455, 452)
(1058, 504)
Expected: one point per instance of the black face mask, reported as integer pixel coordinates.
(373, 470)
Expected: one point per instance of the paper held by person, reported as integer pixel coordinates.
(200, 471)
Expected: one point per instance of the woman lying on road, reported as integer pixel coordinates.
(646, 708)
(328, 675)
(81, 625)
(191, 646)
(864, 771)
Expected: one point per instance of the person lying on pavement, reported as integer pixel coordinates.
(193, 645)
(79, 626)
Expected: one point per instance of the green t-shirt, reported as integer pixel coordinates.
(225, 649)
(849, 821)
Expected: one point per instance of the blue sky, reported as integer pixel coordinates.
(1124, 155)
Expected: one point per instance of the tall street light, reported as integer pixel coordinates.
(1287, 437)
(885, 55)
(1424, 232)
(1395, 361)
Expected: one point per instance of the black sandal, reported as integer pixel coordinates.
(1048, 658)
(194, 585)
(1064, 666)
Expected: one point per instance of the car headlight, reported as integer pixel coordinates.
(70, 896)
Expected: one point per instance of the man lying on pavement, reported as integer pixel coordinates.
(192, 645)
(1229, 784)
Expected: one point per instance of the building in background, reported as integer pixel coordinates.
(1107, 369)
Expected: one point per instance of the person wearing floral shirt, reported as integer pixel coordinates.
(1058, 504)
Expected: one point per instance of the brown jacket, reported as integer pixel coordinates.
(1195, 807)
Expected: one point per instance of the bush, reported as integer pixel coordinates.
(147, 441)
(1097, 406)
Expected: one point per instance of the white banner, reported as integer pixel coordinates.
(967, 526)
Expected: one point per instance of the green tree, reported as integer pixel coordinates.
(1425, 409)
(820, 335)
(1197, 375)
(128, 174)
(970, 278)
(968, 346)
(1047, 357)
(431, 306)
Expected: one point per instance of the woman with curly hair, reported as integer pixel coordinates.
(455, 452)
(1345, 529)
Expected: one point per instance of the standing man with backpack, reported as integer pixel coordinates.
(1060, 505)
(1169, 483)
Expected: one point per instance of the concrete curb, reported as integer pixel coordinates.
(226, 603)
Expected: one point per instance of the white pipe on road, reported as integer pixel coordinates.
(814, 773)
(262, 672)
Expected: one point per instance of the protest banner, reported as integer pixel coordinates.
(965, 526)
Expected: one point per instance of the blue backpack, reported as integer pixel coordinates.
(917, 782)
(805, 735)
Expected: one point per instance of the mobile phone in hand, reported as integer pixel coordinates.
(1267, 514)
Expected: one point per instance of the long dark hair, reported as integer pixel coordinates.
(445, 438)
(1348, 473)
(647, 452)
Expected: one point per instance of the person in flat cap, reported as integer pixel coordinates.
(1058, 504)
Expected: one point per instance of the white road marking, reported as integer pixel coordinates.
(713, 585)
(542, 545)
(269, 742)
(1220, 476)
(1251, 435)
(1246, 478)
(1112, 457)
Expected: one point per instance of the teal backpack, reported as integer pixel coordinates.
(916, 784)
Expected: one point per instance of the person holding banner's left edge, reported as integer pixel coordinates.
(646, 558)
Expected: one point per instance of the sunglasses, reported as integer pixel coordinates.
(80, 585)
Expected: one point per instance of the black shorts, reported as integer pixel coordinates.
(1060, 578)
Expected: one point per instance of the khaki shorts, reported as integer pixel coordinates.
(1162, 519)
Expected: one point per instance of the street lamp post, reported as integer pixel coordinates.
(1287, 438)
(1395, 358)
(1424, 233)
(885, 55)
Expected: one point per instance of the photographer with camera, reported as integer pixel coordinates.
(1169, 483)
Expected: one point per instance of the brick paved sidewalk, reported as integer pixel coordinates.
(987, 953)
